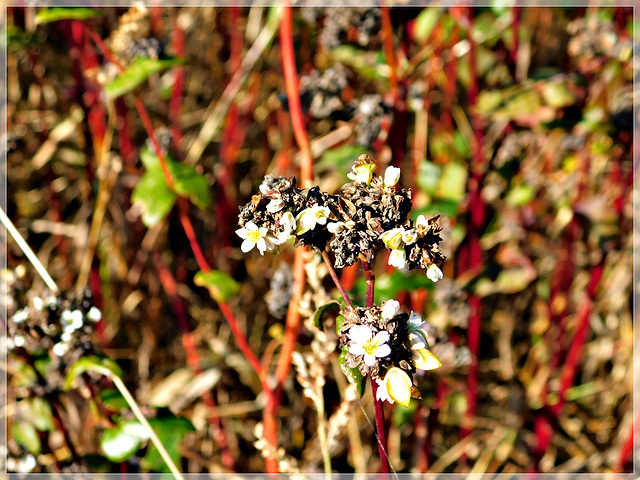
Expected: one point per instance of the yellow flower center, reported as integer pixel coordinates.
(370, 347)
(254, 236)
(320, 214)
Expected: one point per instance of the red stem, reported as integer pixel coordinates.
(336, 280)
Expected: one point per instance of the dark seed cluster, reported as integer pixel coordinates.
(353, 223)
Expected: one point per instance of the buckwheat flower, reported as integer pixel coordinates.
(362, 173)
(264, 189)
(423, 359)
(390, 309)
(21, 315)
(392, 238)
(253, 236)
(381, 393)
(310, 217)
(391, 176)
(275, 205)
(336, 227)
(398, 258)
(94, 314)
(421, 222)
(363, 342)
(18, 341)
(416, 341)
(60, 348)
(418, 327)
(434, 273)
(398, 385)
(38, 303)
(288, 223)
(409, 236)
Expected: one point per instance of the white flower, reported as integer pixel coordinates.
(381, 393)
(391, 176)
(336, 227)
(362, 173)
(289, 224)
(253, 236)
(371, 347)
(275, 205)
(418, 333)
(264, 189)
(94, 314)
(310, 217)
(38, 303)
(423, 359)
(60, 348)
(417, 341)
(421, 221)
(21, 315)
(18, 341)
(434, 273)
(390, 309)
(409, 236)
(398, 258)
(392, 238)
(76, 319)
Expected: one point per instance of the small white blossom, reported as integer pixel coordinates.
(288, 223)
(275, 205)
(390, 309)
(381, 393)
(391, 176)
(94, 314)
(434, 273)
(21, 315)
(418, 334)
(371, 347)
(362, 173)
(76, 319)
(18, 341)
(65, 337)
(310, 217)
(60, 348)
(336, 227)
(398, 258)
(421, 221)
(264, 189)
(253, 236)
(392, 238)
(38, 303)
(409, 236)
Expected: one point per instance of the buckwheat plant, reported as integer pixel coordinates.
(368, 214)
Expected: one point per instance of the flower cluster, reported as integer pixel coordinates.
(369, 213)
(387, 345)
(58, 324)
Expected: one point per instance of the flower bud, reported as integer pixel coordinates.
(398, 386)
(434, 273)
(391, 176)
(423, 359)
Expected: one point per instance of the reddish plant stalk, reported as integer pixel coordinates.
(193, 358)
(387, 42)
(336, 280)
(370, 279)
(175, 102)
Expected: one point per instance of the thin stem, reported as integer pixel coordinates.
(387, 39)
(27, 251)
(124, 391)
(380, 427)
(336, 280)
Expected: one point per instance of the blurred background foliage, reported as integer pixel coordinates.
(514, 124)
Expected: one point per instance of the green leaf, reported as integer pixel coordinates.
(62, 13)
(353, 374)
(171, 432)
(25, 434)
(369, 65)
(40, 415)
(339, 322)
(113, 399)
(453, 183)
(154, 196)
(327, 307)
(520, 195)
(137, 73)
(90, 364)
(425, 23)
(222, 287)
(557, 94)
(122, 441)
(190, 184)
(428, 176)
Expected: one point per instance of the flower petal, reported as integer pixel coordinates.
(425, 360)
(360, 333)
(247, 245)
(242, 232)
(356, 349)
(398, 385)
(251, 226)
(370, 360)
(381, 337)
(383, 351)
